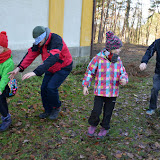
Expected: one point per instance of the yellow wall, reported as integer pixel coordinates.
(56, 19)
(56, 16)
(86, 22)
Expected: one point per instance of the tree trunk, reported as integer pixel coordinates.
(148, 29)
(132, 25)
(95, 21)
(112, 19)
(115, 17)
(126, 21)
(139, 26)
(100, 26)
(106, 17)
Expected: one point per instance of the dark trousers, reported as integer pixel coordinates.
(49, 89)
(107, 103)
(154, 91)
(3, 104)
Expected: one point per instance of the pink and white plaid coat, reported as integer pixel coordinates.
(107, 75)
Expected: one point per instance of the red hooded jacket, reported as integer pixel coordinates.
(55, 56)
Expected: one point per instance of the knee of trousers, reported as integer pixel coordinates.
(52, 90)
(95, 115)
(43, 91)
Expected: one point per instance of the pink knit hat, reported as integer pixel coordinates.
(112, 41)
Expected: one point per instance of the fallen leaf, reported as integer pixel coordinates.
(25, 141)
(96, 143)
(19, 102)
(118, 154)
(88, 149)
(75, 142)
(103, 157)
(126, 133)
(64, 138)
(130, 155)
(32, 157)
(142, 146)
(18, 124)
(157, 144)
(81, 156)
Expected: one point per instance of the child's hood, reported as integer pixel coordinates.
(48, 31)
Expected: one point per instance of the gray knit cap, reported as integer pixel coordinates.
(37, 31)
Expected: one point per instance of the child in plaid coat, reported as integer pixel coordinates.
(109, 72)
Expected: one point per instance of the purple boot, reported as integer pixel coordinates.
(91, 131)
(103, 132)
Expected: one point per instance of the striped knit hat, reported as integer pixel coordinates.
(112, 41)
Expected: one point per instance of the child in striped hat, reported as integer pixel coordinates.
(109, 73)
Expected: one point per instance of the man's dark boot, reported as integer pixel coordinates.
(54, 114)
(44, 115)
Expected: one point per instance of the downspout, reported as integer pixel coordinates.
(94, 7)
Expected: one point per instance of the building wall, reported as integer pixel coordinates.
(72, 22)
(56, 16)
(86, 22)
(19, 17)
(71, 19)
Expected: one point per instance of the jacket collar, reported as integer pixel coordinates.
(103, 54)
(48, 35)
(48, 39)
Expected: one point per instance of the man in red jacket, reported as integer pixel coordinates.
(57, 65)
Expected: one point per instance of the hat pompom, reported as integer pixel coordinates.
(3, 39)
(109, 34)
(3, 32)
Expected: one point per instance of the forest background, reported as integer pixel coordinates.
(134, 21)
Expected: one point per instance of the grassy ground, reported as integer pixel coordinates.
(133, 134)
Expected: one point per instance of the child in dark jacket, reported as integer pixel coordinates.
(6, 66)
(57, 65)
(109, 73)
(154, 47)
